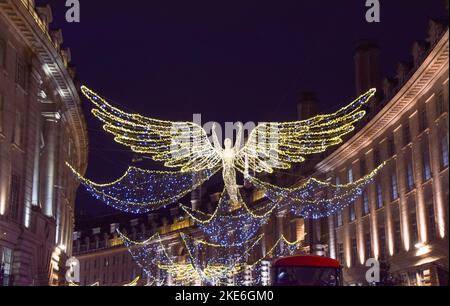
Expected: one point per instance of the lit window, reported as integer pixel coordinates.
(426, 164)
(352, 211)
(409, 175)
(18, 129)
(444, 152)
(339, 218)
(350, 175)
(394, 187)
(379, 195)
(366, 208)
(338, 182)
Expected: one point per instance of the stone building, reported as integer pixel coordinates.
(401, 218)
(41, 127)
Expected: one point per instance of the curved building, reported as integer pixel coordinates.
(401, 219)
(41, 127)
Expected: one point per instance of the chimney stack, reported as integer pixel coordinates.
(307, 106)
(367, 66)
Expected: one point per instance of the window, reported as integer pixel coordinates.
(397, 236)
(5, 266)
(352, 211)
(105, 262)
(338, 182)
(18, 129)
(376, 157)
(431, 221)
(21, 73)
(340, 257)
(379, 195)
(440, 104)
(362, 167)
(391, 146)
(350, 175)
(368, 245)
(2, 53)
(394, 187)
(426, 163)
(354, 251)
(15, 197)
(409, 175)
(444, 152)
(365, 200)
(339, 218)
(406, 133)
(382, 235)
(423, 121)
(413, 220)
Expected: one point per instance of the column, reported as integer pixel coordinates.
(50, 163)
(331, 237)
(36, 176)
(386, 177)
(371, 190)
(402, 158)
(435, 159)
(418, 171)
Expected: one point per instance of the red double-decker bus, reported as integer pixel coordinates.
(306, 270)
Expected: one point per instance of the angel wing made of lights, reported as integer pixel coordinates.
(276, 145)
(183, 145)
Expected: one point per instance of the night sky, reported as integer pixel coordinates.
(228, 60)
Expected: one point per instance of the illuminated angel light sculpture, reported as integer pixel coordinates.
(186, 146)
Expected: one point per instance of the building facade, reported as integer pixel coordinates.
(402, 217)
(41, 128)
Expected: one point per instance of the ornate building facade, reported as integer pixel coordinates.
(41, 127)
(402, 218)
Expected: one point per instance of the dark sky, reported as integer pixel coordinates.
(228, 60)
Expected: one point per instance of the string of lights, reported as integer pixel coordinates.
(139, 190)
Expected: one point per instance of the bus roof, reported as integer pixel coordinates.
(306, 261)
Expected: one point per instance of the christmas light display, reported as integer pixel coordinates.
(315, 198)
(140, 191)
(133, 283)
(231, 230)
(185, 145)
(228, 226)
(148, 254)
